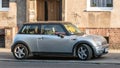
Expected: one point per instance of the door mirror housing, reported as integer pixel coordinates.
(60, 34)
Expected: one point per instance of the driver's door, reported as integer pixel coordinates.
(50, 41)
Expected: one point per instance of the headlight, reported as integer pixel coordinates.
(99, 43)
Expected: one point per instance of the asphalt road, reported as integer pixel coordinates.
(111, 60)
(22, 64)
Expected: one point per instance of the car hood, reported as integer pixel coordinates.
(95, 37)
(91, 37)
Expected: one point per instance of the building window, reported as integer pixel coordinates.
(4, 5)
(99, 5)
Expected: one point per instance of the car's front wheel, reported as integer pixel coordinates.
(20, 51)
(84, 52)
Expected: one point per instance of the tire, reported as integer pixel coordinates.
(20, 51)
(84, 52)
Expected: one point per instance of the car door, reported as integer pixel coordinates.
(51, 41)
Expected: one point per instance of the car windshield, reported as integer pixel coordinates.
(72, 29)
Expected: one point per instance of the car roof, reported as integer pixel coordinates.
(47, 22)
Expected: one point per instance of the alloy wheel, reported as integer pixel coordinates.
(84, 52)
(20, 51)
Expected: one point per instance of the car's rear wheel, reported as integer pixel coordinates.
(84, 52)
(20, 51)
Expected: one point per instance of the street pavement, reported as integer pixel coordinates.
(113, 57)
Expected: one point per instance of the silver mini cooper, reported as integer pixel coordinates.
(57, 38)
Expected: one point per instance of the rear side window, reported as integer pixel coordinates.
(30, 29)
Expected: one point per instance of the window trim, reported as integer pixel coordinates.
(89, 8)
(1, 8)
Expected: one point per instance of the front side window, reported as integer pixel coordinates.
(100, 5)
(30, 29)
(51, 29)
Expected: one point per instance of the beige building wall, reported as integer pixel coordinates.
(76, 12)
(115, 14)
(105, 23)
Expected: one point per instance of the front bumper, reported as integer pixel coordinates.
(102, 50)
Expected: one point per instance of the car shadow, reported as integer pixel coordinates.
(51, 58)
(7, 55)
(60, 58)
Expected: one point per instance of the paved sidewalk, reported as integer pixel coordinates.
(5, 50)
(114, 51)
(113, 57)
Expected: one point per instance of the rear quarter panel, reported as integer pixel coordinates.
(29, 40)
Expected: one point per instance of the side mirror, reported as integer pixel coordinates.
(60, 34)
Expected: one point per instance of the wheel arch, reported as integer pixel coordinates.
(82, 42)
(20, 42)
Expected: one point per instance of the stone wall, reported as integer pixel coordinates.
(8, 23)
(3, 19)
(115, 38)
(21, 12)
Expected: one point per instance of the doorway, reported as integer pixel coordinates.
(49, 10)
(2, 38)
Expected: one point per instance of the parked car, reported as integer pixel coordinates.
(57, 38)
